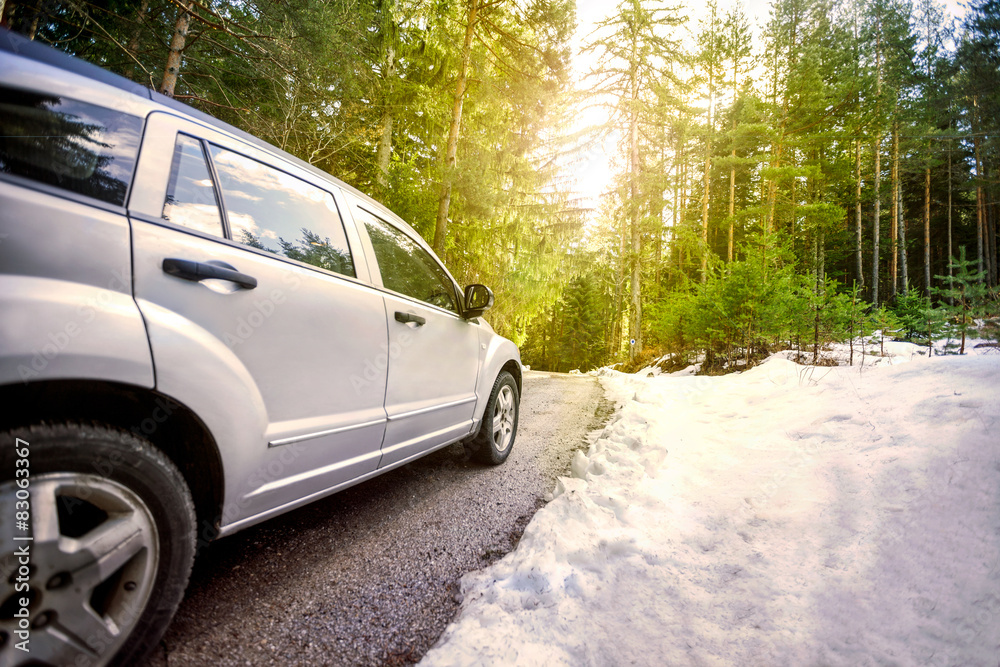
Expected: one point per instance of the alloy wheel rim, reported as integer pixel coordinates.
(503, 419)
(91, 570)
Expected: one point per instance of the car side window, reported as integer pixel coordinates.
(190, 198)
(79, 147)
(406, 267)
(270, 210)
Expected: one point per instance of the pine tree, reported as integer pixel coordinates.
(738, 52)
(966, 295)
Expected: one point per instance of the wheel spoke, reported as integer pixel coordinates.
(83, 627)
(57, 647)
(110, 545)
(44, 512)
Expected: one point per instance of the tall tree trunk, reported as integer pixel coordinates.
(384, 151)
(927, 227)
(951, 300)
(992, 238)
(928, 95)
(616, 330)
(385, 141)
(36, 15)
(177, 43)
(451, 153)
(635, 321)
(660, 206)
(704, 210)
(859, 257)
(708, 172)
(772, 185)
(732, 204)
(893, 228)
(683, 202)
(979, 205)
(678, 159)
(132, 70)
(732, 170)
(903, 262)
(876, 220)
(793, 206)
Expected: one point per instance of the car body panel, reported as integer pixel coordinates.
(66, 299)
(431, 389)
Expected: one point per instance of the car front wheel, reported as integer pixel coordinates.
(499, 428)
(97, 561)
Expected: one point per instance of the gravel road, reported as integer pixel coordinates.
(370, 575)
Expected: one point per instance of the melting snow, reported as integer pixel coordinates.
(787, 515)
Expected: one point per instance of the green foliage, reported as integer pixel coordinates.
(736, 315)
(910, 311)
(965, 299)
(583, 340)
(570, 334)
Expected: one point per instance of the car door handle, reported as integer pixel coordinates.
(198, 271)
(406, 318)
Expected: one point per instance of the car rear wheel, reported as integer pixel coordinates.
(499, 429)
(112, 534)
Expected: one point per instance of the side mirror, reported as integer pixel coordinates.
(478, 299)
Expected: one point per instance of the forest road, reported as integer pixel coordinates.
(369, 576)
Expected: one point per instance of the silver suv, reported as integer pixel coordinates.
(197, 332)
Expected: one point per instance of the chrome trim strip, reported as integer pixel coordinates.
(246, 522)
(432, 408)
(320, 434)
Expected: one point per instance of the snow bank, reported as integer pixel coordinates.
(787, 515)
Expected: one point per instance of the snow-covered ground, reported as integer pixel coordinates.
(788, 515)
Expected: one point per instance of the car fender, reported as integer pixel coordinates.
(195, 368)
(497, 351)
(60, 329)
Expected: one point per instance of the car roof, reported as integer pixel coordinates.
(19, 45)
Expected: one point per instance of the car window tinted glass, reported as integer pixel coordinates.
(76, 146)
(406, 267)
(190, 196)
(270, 210)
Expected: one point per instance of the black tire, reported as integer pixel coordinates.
(114, 599)
(498, 431)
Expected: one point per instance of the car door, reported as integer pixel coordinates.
(244, 269)
(434, 354)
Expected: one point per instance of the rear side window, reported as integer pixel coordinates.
(80, 147)
(190, 195)
(270, 210)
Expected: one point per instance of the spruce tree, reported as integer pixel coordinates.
(966, 297)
